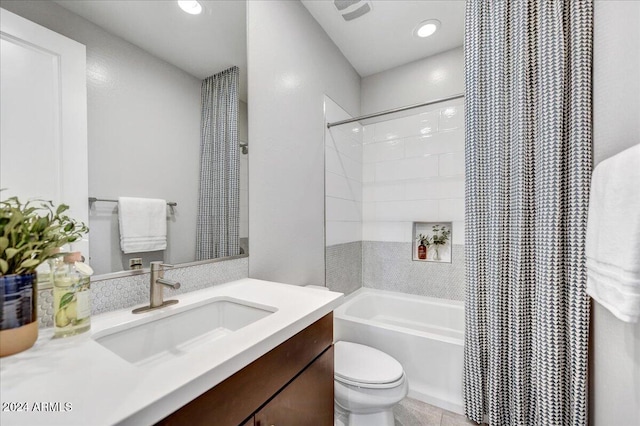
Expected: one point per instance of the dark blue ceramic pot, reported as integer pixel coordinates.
(18, 312)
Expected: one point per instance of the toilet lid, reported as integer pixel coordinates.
(362, 364)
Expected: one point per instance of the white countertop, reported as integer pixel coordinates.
(94, 386)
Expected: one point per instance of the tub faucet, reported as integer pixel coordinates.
(156, 286)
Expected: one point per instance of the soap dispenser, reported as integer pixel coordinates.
(71, 301)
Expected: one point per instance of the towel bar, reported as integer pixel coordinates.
(94, 199)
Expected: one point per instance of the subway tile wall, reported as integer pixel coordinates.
(413, 170)
(343, 178)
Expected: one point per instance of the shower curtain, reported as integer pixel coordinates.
(217, 226)
(528, 167)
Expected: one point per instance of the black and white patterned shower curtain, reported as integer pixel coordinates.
(528, 167)
(217, 232)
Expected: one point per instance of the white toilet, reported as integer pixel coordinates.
(368, 383)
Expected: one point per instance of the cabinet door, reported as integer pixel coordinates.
(307, 400)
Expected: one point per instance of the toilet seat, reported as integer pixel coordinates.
(366, 367)
(370, 385)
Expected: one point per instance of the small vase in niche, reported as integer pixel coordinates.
(436, 253)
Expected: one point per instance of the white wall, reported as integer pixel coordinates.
(143, 132)
(615, 345)
(292, 65)
(431, 78)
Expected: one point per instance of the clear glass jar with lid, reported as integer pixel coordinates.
(71, 297)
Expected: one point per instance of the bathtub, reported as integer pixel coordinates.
(426, 335)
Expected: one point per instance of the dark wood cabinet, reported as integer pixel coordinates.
(289, 385)
(307, 400)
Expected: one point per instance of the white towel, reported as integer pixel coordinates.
(613, 235)
(143, 224)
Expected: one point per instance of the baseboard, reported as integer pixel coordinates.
(436, 401)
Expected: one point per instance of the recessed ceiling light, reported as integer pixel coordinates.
(190, 6)
(426, 28)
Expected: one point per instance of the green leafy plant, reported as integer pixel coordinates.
(424, 239)
(441, 235)
(33, 232)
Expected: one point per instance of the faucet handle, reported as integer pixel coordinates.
(173, 284)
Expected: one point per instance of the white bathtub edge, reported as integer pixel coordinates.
(339, 313)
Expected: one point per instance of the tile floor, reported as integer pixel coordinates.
(411, 412)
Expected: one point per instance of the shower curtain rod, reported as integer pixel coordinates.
(391, 111)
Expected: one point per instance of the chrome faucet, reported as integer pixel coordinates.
(156, 286)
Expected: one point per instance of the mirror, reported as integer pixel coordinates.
(145, 64)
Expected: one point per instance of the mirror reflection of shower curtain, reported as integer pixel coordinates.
(217, 232)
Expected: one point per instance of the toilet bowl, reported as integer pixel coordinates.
(368, 383)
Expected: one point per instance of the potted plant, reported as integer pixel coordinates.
(30, 234)
(440, 237)
(425, 242)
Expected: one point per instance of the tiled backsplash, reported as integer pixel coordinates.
(388, 266)
(344, 267)
(118, 293)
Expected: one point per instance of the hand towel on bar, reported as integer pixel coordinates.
(143, 224)
(613, 235)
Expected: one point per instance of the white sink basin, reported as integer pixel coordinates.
(161, 335)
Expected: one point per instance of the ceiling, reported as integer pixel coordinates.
(201, 45)
(215, 40)
(383, 38)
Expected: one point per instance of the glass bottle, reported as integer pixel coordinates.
(71, 301)
(422, 251)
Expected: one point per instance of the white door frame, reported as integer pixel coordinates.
(68, 139)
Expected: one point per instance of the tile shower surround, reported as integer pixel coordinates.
(118, 293)
(412, 170)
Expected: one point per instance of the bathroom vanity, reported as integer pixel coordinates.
(246, 352)
(291, 384)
